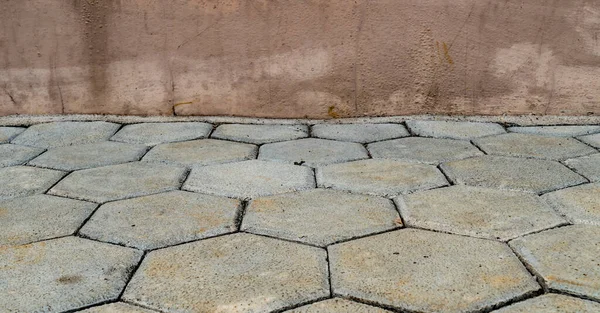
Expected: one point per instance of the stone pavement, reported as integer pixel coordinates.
(422, 216)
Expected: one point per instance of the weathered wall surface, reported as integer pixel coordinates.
(300, 58)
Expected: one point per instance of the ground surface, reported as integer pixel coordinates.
(422, 216)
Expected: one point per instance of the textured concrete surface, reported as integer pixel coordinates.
(534, 146)
(426, 150)
(151, 134)
(201, 152)
(61, 134)
(337, 305)
(580, 204)
(592, 140)
(312, 152)
(588, 166)
(17, 155)
(8, 133)
(362, 133)
(117, 308)
(558, 131)
(260, 134)
(19, 181)
(552, 303)
(454, 130)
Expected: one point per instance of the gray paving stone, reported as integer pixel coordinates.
(529, 175)
(8, 133)
(28, 219)
(337, 305)
(63, 274)
(534, 146)
(163, 219)
(118, 307)
(260, 134)
(80, 157)
(558, 131)
(151, 134)
(249, 179)
(362, 133)
(588, 166)
(592, 140)
(454, 130)
(60, 134)
(20, 181)
(201, 152)
(380, 177)
(567, 258)
(423, 271)
(233, 273)
(16, 155)
(552, 303)
(121, 181)
(312, 152)
(580, 204)
(319, 217)
(478, 212)
(427, 150)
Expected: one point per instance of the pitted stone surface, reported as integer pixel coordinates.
(60, 134)
(260, 134)
(201, 152)
(249, 179)
(319, 217)
(39, 217)
(80, 157)
(558, 131)
(580, 204)
(423, 271)
(337, 305)
(163, 219)
(20, 181)
(512, 173)
(151, 134)
(427, 150)
(362, 133)
(8, 133)
(588, 166)
(380, 177)
(592, 140)
(233, 273)
(121, 181)
(118, 307)
(16, 155)
(63, 274)
(552, 303)
(312, 152)
(454, 130)
(534, 146)
(478, 212)
(567, 258)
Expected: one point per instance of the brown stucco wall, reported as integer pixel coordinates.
(300, 58)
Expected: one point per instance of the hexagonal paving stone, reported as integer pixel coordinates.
(423, 271)
(337, 305)
(249, 179)
(80, 157)
(16, 155)
(454, 130)
(588, 166)
(427, 150)
(34, 218)
(312, 152)
(362, 133)
(592, 140)
(151, 134)
(233, 273)
(63, 274)
(319, 217)
(511, 173)
(121, 181)
(201, 152)
(19, 181)
(552, 303)
(541, 147)
(163, 219)
(259, 134)
(478, 212)
(558, 131)
(60, 134)
(567, 258)
(8, 133)
(118, 307)
(380, 177)
(580, 204)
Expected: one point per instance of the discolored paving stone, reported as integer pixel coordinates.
(8, 133)
(312, 151)
(380, 177)
(552, 303)
(233, 273)
(427, 150)
(89, 155)
(201, 152)
(118, 307)
(16, 155)
(337, 305)
(260, 134)
(60, 134)
(542, 147)
(151, 134)
(454, 130)
(121, 181)
(592, 140)
(249, 179)
(567, 258)
(164, 219)
(63, 274)
(423, 271)
(530, 175)
(319, 217)
(20, 181)
(558, 131)
(580, 204)
(478, 212)
(588, 166)
(28, 219)
(362, 133)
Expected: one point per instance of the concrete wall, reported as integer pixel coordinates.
(300, 58)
